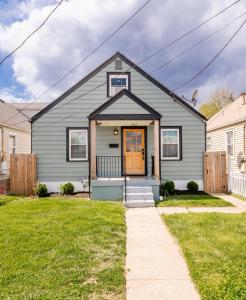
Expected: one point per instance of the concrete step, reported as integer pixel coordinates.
(138, 204)
(138, 196)
(138, 189)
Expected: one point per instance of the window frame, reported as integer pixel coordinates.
(180, 149)
(116, 74)
(12, 135)
(68, 143)
(233, 142)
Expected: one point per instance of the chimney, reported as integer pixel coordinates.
(243, 95)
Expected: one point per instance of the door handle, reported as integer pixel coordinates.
(142, 154)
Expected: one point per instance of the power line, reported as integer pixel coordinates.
(213, 59)
(187, 33)
(31, 34)
(87, 56)
(196, 44)
(143, 60)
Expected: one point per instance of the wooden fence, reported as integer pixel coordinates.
(215, 177)
(22, 174)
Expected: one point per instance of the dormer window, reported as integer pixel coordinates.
(118, 82)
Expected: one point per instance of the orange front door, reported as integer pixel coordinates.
(134, 151)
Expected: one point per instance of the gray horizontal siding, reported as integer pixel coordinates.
(49, 131)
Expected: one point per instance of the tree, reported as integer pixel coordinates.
(216, 101)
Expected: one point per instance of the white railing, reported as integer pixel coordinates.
(237, 183)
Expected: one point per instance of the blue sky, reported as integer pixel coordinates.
(79, 26)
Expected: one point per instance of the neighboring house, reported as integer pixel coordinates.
(118, 118)
(29, 109)
(15, 135)
(226, 131)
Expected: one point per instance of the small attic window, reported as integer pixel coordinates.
(118, 64)
(117, 82)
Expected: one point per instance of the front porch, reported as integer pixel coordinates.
(124, 148)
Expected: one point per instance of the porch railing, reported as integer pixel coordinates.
(152, 165)
(108, 166)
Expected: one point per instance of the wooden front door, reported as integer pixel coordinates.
(134, 151)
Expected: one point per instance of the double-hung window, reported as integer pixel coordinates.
(171, 143)
(230, 142)
(77, 144)
(117, 82)
(12, 144)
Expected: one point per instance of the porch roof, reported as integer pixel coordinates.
(124, 102)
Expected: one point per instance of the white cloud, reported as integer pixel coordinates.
(79, 26)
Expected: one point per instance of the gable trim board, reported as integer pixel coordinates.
(134, 66)
(96, 114)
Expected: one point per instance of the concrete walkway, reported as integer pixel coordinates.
(155, 267)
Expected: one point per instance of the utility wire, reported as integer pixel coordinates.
(195, 45)
(140, 62)
(213, 59)
(31, 34)
(87, 56)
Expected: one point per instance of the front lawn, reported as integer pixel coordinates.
(6, 199)
(62, 249)
(214, 247)
(193, 200)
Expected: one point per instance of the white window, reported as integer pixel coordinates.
(209, 143)
(12, 144)
(230, 142)
(170, 143)
(117, 82)
(78, 144)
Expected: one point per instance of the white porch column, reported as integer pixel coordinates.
(156, 149)
(93, 148)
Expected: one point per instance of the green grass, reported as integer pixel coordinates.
(62, 249)
(194, 200)
(7, 199)
(214, 247)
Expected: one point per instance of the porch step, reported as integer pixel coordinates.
(138, 196)
(138, 204)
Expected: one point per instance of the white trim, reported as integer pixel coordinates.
(118, 76)
(182, 184)
(69, 144)
(209, 137)
(233, 141)
(53, 186)
(178, 139)
(12, 134)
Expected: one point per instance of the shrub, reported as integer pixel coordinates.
(41, 189)
(167, 188)
(66, 188)
(192, 187)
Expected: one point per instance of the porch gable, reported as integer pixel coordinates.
(123, 106)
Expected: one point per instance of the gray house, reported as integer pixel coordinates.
(118, 121)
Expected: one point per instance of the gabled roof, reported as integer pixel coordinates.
(132, 65)
(233, 113)
(149, 112)
(15, 117)
(29, 109)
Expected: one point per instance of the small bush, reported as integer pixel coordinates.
(41, 189)
(192, 187)
(66, 188)
(167, 188)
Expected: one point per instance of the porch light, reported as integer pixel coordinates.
(116, 131)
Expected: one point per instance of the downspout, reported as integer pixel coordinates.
(2, 145)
